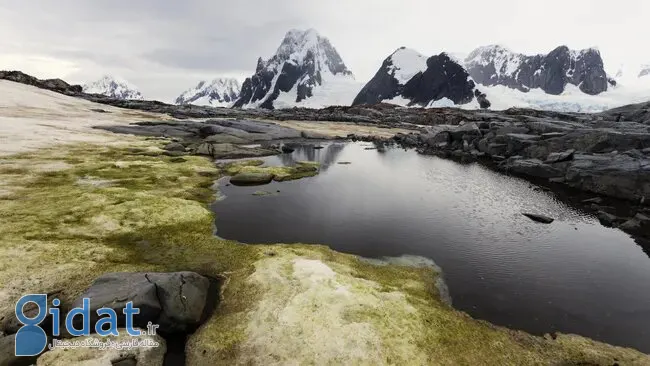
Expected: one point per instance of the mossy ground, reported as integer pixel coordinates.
(116, 208)
(302, 169)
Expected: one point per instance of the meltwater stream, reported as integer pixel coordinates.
(572, 276)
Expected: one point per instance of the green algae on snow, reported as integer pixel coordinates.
(112, 208)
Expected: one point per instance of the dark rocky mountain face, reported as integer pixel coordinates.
(382, 86)
(301, 61)
(441, 77)
(495, 65)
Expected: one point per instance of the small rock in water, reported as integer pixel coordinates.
(596, 200)
(344, 163)
(263, 193)
(318, 147)
(539, 218)
(287, 149)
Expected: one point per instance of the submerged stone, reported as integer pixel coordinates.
(539, 218)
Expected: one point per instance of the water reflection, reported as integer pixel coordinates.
(327, 155)
(573, 276)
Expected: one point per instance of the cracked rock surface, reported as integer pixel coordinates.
(175, 301)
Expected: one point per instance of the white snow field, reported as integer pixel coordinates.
(32, 118)
(572, 100)
(335, 90)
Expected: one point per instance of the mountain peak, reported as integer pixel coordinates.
(114, 87)
(304, 60)
(220, 92)
(496, 65)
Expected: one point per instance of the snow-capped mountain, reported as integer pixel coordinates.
(497, 65)
(222, 92)
(305, 66)
(410, 78)
(113, 87)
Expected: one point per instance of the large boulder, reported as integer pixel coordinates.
(615, 175)
(251, 178)
(175, 301)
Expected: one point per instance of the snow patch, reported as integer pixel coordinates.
(407, 63)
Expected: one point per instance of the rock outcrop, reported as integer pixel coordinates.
(56, 85)
(496, 65)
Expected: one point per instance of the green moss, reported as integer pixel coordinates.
(121, 209)
(279, 173)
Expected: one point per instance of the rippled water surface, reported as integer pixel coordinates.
(573, 276)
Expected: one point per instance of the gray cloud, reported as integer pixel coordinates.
(165, 46)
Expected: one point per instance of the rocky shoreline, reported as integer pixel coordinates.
(606, 154)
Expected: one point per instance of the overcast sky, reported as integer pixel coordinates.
(167, 46)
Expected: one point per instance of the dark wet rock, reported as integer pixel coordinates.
(251, 178)
(560, 157)
(468, 131)
(596, 200)
(539, 218)
(175, 301)
(607, 219)
(534, 168)
(495, 149)
(344, 163)
(287, 149)
(631, 225)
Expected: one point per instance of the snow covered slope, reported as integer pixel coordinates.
(219, 92)
(497, 65)
(410, 78)
(304, 63)
(32, 118)
(113, 87)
